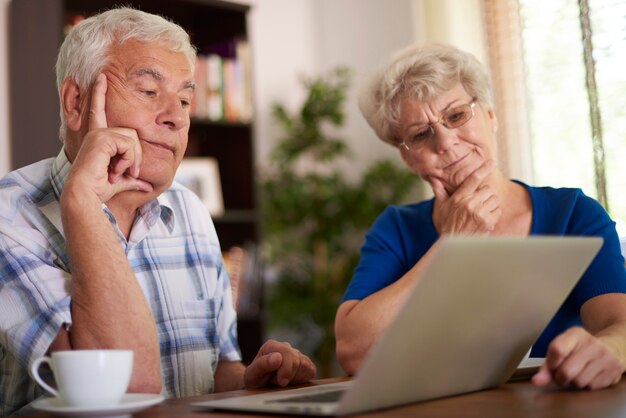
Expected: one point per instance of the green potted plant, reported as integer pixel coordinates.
(314, 219)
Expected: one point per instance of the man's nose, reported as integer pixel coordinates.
(173, 115)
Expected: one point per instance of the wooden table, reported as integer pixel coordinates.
(513, 400)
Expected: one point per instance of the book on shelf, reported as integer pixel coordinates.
(199, 107)
(230, 80)
(245, 80)
(214, 88)
(223, 84)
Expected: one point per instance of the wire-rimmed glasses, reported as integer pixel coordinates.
(451, 119)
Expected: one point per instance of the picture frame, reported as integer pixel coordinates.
(202, 176)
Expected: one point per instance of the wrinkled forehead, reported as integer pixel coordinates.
(131, 57)
(438, 96)
(134, 50)
(428, 92)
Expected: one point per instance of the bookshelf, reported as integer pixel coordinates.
(216, 27)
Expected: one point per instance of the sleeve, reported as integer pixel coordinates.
(397, 240)
(34, 297)
(607, 273)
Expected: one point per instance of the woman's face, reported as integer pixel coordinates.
(449, 155)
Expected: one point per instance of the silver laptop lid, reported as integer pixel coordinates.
(479, 306)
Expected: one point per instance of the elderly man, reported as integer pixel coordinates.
(98, 247)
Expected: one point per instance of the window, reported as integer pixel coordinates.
(563, 89)
(560, 94)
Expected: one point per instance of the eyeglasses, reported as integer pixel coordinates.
(451, 119)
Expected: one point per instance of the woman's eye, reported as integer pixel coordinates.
(149, 93)
(184, 102)
(455, 116)
(421, 135)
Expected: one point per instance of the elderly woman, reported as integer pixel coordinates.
(434, 104)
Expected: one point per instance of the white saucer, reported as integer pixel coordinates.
(131, 402)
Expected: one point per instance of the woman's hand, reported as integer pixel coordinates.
(473, 209)
(578, 358)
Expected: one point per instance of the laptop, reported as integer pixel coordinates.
(479, 306)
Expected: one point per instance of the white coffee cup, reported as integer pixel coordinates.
(88, 378)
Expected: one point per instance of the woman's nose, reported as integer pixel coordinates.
(443, 138)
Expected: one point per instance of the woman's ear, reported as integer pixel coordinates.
(494, 120)
(71, 102)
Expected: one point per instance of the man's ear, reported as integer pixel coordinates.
(72, 104)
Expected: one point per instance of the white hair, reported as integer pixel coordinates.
(422, 73)
(85, 50)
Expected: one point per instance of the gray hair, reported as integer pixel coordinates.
(422, 73)
(85, 50)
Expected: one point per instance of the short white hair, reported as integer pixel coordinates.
(421, 72)
(85, 50)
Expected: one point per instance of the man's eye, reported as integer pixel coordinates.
(149, 93)
(184, 102)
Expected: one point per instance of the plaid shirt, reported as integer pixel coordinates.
(174, 251)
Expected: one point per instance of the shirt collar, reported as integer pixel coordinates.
(157, 209)
(59, 172)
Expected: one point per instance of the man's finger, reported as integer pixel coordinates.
(125, 183)
(306, 371)
(97, 114)
(262, 369)
(122, 151)
(288, 368)
(134, 168)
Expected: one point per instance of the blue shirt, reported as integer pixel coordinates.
(402, 234)
(174, 251)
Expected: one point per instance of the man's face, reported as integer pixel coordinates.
(149, 89)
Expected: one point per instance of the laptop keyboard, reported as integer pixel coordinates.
(328, 396)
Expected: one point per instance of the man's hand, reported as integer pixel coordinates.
(109, 158)
(578, 358)
(474, 208)
(279, 364)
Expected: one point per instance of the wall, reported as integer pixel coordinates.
(283, 44)
(374, 32)
(311, 37)
(458, 22)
